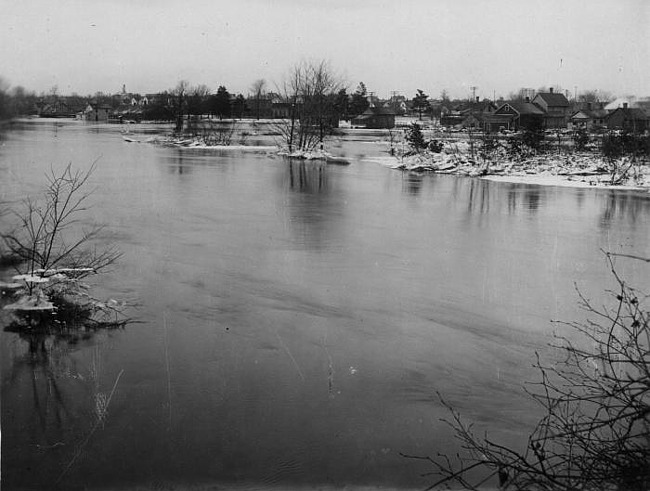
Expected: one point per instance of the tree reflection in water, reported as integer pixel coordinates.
(412, 183)
(314, 205)
(479, 197)
(56, 379)
(530, 197)
(307, 177)
(623, 206)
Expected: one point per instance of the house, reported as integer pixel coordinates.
(281, 109)
(97, 113)
(588, 119)
(376, 118)
(262, 107)
(514, 115)
(629, 119)
(616, 103)
(474, 113)
(580, 120)
(474, 121)
(555, 107)
(450, 117)
(58, 107)
(397, 104)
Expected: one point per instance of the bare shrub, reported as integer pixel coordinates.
(53, 253)
(595, 432)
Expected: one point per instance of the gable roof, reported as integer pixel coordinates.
(630, 113)
(585, 114)
(580, 115)
(615, 104)
(553, 99)
(379, 111)
(527, 108)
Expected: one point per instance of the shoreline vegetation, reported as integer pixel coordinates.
(53, 254)
(462, 153)
(536, 159)
(578, 169)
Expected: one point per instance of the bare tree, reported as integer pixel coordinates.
(178, 103)
(54, 251)
(197, 100)
(257, 88)
(521, 94)
(595, 432)
(309, 95)
(595, 96)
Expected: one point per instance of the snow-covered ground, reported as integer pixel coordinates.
(567, 181)
(566, 169)
(458, 158)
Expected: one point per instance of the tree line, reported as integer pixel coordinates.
(199, 100)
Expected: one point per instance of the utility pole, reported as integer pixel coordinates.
(473, 89)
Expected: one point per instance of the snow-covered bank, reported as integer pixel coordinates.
(198, 144)
(244, 148)
(565, 181)
(569, 169)
(315, 155)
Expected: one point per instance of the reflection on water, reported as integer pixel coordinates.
(478, 200)
(59, 400)
(307, 177)
(412, 183)
(525, 197)
(623, 206)
(177, 166)
(312, 202)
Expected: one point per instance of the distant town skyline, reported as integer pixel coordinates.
(463, 46)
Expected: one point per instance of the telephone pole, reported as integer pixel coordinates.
(473, 89)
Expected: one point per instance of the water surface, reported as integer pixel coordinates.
(297, 318)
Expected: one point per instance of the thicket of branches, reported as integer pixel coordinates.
(310, 94)
(595, 432)
(52, 252)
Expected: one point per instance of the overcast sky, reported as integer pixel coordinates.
(86, 46)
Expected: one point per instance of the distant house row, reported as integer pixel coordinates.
(547, 110)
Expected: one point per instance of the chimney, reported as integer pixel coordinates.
(625, 105)
(588, 106)
(551, 90)
(477, 98)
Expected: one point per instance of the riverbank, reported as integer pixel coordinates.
(571, 169)
(199, 144)
(567, 168)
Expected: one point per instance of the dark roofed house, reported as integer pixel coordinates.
(376, 118)
(475, 113)
(514, 115)
(628, 118)
(473, 120)
(555, 107)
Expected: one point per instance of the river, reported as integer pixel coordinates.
(295, 320)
